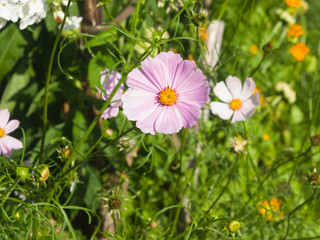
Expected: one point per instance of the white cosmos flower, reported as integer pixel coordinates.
(238, 100)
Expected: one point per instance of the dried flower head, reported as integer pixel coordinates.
(64, 153)
(239, 144)
(314, 178)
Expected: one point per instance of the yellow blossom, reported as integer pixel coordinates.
(299, 51)
(253, 49)
(295, 30)
(266, 137)
(293, 3)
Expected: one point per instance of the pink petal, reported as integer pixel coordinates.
(110, 112)
(223, 110)
(12, 143)
(156, 72)
(248, 88)
(183, 75)
(235, 86)
(189, 113)
(222, 92)
(139, 104)
(249, 106)
(237, 117)
(169, 121)
(146, 125)
(171, 61)
(4, 117)
(11, 126)
(198, 95)
(138, 80)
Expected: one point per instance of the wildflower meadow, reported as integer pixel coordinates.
(168, 119)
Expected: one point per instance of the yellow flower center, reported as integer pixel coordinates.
(2, 132)
(235, 104)
(168, 96)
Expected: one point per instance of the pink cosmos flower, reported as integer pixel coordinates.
(238, 101)
(8, 143)
(108, 86)
(166, 94)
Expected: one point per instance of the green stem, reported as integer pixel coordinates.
(312, 122)
(185, 131)
(224, 188)
(259, 65)
(289, 215)
(92, 125)
(45, 107)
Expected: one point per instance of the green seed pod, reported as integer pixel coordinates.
(22, 172)
(44, 171)
(233, 226)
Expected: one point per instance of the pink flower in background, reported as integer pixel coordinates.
(108, 85)
(166, 94)
(238, 101)
(8, 143)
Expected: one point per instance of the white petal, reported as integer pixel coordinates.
(237, 117)
(12, 143)
(248, 88)
(249, 106)
(221, 109)
(222, 92)
(4, 117)
(234, 85)
(11, 126)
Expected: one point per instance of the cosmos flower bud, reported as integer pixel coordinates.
(233, 226)
(267, 48)
(22, 172)
(315, 140)
(114, 203)
(199, 19)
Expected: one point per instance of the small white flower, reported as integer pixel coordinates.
(238, 101)
(288, 92)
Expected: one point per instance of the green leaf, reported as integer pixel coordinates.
(11, 48)
(102, 38)
(93, 187)
(97, 65)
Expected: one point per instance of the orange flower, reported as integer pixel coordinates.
(203, 33)
(293, 3)
(190, 57)
(299, 51)
(271, 208)
(295, 30)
